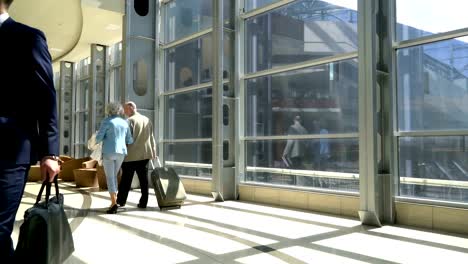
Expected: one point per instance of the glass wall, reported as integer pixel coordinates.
(432, 91)
(296, 85)
(301, 123)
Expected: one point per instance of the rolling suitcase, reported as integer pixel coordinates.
(170, 191)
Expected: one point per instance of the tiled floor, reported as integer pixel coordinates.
(235, 232)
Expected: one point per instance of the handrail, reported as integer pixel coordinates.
(306, 173)
(188, 164)
(354, 176)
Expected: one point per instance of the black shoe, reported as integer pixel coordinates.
(112, 210)
(141, 206)
(121, 204)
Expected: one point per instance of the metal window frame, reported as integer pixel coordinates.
(429, 133)
(302, 65)
(239, 93)
(161, 71)
(430, 39)
(192, 88)
(186, 39)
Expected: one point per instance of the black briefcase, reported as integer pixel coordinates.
(45, 236)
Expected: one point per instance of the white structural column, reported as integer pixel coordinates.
(139, 56)
(66, 107)
(217, 103)
(98, 94)
(369, 180)
(223, 181)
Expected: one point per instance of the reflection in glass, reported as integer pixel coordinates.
(301, 31)
(308, 155)
(197, 155)
(187, 17)
(439, 158)
(188, 115)
(191, 63)
(83, 94)
(324, 97)
(83, 68)
(419, 18)
(115, 84)
(197, 152)
(433, 86)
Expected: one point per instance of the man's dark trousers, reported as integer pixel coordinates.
(28, 116)
(128, 170)
(12, 182)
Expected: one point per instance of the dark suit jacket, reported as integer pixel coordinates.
(28, 106)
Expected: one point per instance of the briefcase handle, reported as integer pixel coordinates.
(48, 185)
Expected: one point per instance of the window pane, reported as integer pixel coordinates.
(301, 31)
(186, 17)
(324, 98)
(443, 159)
(83, 68)
(191, 63)
(418, 18)
(433, 86)
(311, 157)
(229, 13)
(188, 115)
(197, 157)
(254, 4)
(84, 94)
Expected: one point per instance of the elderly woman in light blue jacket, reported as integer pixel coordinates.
(115, 135)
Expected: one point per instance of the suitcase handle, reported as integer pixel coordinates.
(48, 185)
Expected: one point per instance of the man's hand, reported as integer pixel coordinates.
(50, 168)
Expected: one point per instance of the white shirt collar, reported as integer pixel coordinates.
(3, 18)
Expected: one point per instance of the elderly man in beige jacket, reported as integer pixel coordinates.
(139, 153)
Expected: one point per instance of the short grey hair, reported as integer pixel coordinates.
(114, 108)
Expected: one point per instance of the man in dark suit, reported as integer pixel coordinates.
(28, 117)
